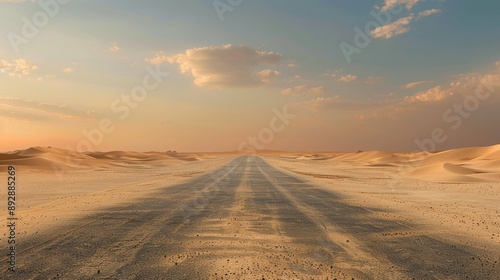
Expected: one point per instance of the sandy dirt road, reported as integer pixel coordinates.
(247, 220)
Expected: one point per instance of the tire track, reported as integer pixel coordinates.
(110, 242)
(247, 220)
(329, 238)
(418, 256)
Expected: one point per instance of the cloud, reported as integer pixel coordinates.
(390, 30)
(339, 77)
(17, 68)
(268, 76)
(226, 66)
(331, 104)
(159, 58)
(316, 104)
(408, 4)
(434, 94)
(465, 86)
(428, 13)
(304, 90)
(35, 111)
(68, 70)
(114, 48)
(431, 102)
(401, 25)
(347, 78)
(415, 84)
(372, 80)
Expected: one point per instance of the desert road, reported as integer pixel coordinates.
(246, 220)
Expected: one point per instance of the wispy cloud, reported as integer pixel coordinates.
(340, 77)
(347, 78)
(408, 4)
(373, 80)
(316, 104)
(428, 13)
(433, 101)
(114, 48)
(332, 104)
(434, 94)
(401, 25)
(304, 90)
(36, 111)
(17, 67)
(68, 70)
(226, 66)
(390, 30)
(268, 76)
(416, 84)
(464, 86)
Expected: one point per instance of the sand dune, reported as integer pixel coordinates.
(477, 164)
(481, 164)
(47, 158)
(359, 158)
(447, 172)
(464, 155)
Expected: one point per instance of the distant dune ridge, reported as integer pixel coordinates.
(47, 158)
(477, 164)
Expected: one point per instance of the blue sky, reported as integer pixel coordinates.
(230, 69)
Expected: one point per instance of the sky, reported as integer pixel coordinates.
(226, 75)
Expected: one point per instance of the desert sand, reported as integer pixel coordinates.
(418, 204)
